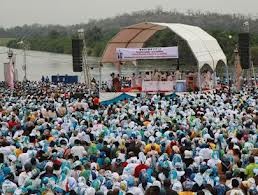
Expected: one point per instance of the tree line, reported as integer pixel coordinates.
(57, 38)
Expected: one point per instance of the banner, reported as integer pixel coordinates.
(9, 74)
(128, 54)
(238, 72)
(154, 86)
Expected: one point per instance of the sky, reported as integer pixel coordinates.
(67, 12)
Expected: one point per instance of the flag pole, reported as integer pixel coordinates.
(10, 80)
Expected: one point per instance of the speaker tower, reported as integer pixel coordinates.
(244, 50)
(77, 47)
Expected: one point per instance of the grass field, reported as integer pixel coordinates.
(4, 41)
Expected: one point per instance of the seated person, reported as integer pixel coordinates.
(169, 77)
(163, 76)
(156, 76)
(147, 76)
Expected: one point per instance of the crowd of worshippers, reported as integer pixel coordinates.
(52, 142)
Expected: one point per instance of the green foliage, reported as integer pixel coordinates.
(93, 35)
(56, 38)
(99, 48)
(227, 40)
(12, 43)
(96, 39)
(163, 38)
(167, 38)
(254, 53)
(49, 44)
(4, 41)
(54, 34)
(57, 43)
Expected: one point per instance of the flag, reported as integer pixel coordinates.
(10, 75)
(238, 73)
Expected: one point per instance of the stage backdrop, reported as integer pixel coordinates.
(128, 54)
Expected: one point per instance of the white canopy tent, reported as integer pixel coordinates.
(204, 47)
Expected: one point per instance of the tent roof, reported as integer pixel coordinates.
(204, 47)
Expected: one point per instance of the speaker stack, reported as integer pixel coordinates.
(244, 50)
(77, 47)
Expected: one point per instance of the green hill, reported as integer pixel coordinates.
(57, 38)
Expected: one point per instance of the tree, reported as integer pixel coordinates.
(93, 35)
(54, 34)
(254, 54)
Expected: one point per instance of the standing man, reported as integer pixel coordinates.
(235, 188)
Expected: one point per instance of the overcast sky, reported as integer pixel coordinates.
(19, 12)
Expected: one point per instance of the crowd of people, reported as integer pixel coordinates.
(54, 141)
(136, 79)
(117, 82)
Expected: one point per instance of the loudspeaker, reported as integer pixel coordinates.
(244, 50)
(77, 47)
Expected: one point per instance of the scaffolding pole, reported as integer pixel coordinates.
(252, 64)
(85, 67)
(199, 78)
